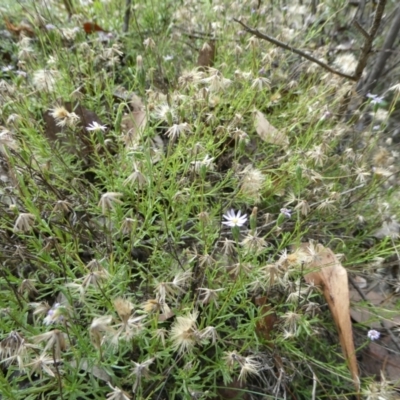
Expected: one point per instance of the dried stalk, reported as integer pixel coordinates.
(69, 8)
(127, 16)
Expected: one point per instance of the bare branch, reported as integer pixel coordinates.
(386, 52)
(378, 17)
(366, 49)
(361, 29)
(285, 46)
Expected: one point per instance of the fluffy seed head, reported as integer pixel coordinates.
(184, 335)
(252, 182)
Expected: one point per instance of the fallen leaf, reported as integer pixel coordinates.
(21, 29)
(268, 318)
(91, 27)
(388, 312)
(328, 273)
(267, 132)
(134, 122)
(234, 390)
(381, 359)
(206, 54)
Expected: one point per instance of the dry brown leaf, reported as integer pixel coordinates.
(207, 54)
(234, 390)
(388, 311)
(91, 27)
(21, 29)
(381, 359)
(332, 277)
(265, 325)
(267, 132)
(134, 122)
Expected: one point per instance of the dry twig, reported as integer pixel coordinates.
(301, 53)
(386, 52)
(365, 51)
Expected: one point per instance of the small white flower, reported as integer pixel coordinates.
(7, 68)
(373, 334)
(206, 163)
(164, 112)
(95, 126)
(177, 130)
(69, 33)
(55, 314)
(286, 212)
(375, 99)
(233, 219)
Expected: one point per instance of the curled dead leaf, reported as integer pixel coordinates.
(207, 54)
(267, 132)
(91, 27)
(134, 122)
(328, 273)
(268, 318)
(21, 29)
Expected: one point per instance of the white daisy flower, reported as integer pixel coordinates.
(233, 219)
(95, 126)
